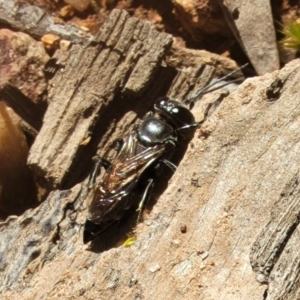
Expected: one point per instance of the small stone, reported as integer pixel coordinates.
(205, 17)
(22, 61)
(154, 268)
(176, 242)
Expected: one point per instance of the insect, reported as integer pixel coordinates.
(139, 158)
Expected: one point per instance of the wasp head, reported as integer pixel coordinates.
(174, 112)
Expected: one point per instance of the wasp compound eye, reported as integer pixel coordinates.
(174, 112)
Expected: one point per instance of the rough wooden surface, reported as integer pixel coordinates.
(89, 80)
(124, 62)
(236, 191)
(37, 22)
(252, 24)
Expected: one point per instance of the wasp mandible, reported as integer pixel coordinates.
(139, 159)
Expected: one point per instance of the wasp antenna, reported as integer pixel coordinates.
(220, 86)
(207, 89)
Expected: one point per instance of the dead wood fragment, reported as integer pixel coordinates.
(40, 231)
(254, 31)
(180, 57)
(119, 75)
(275, 253)
(239, 180)
(128, 53)
(37, 22)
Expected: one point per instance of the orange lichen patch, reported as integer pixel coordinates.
(50, 41)
(66, 11)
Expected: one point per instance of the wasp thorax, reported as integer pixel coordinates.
(154, 131)
(174, 112)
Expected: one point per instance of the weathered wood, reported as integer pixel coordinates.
(125, 57)
(235, 190)
(238, 177)
(123, 63)
(41, 228)
(274, 255)
(253, 26)
(182, 58)
(37, 22)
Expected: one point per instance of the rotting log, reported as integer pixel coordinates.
(236, 191)
(127, 53)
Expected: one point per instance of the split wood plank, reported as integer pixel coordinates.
(99, 92)
(127, 54)
(253, 26)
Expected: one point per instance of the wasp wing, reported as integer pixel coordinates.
(121, 177)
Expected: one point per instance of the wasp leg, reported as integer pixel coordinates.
(169, 164)
(145, 197)
(92, 230)
(196, 124)
(118, 144)
(148, 115)
(98, 163)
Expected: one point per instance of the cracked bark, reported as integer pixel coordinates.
(236, 184)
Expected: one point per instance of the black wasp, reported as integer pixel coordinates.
(139, 158)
